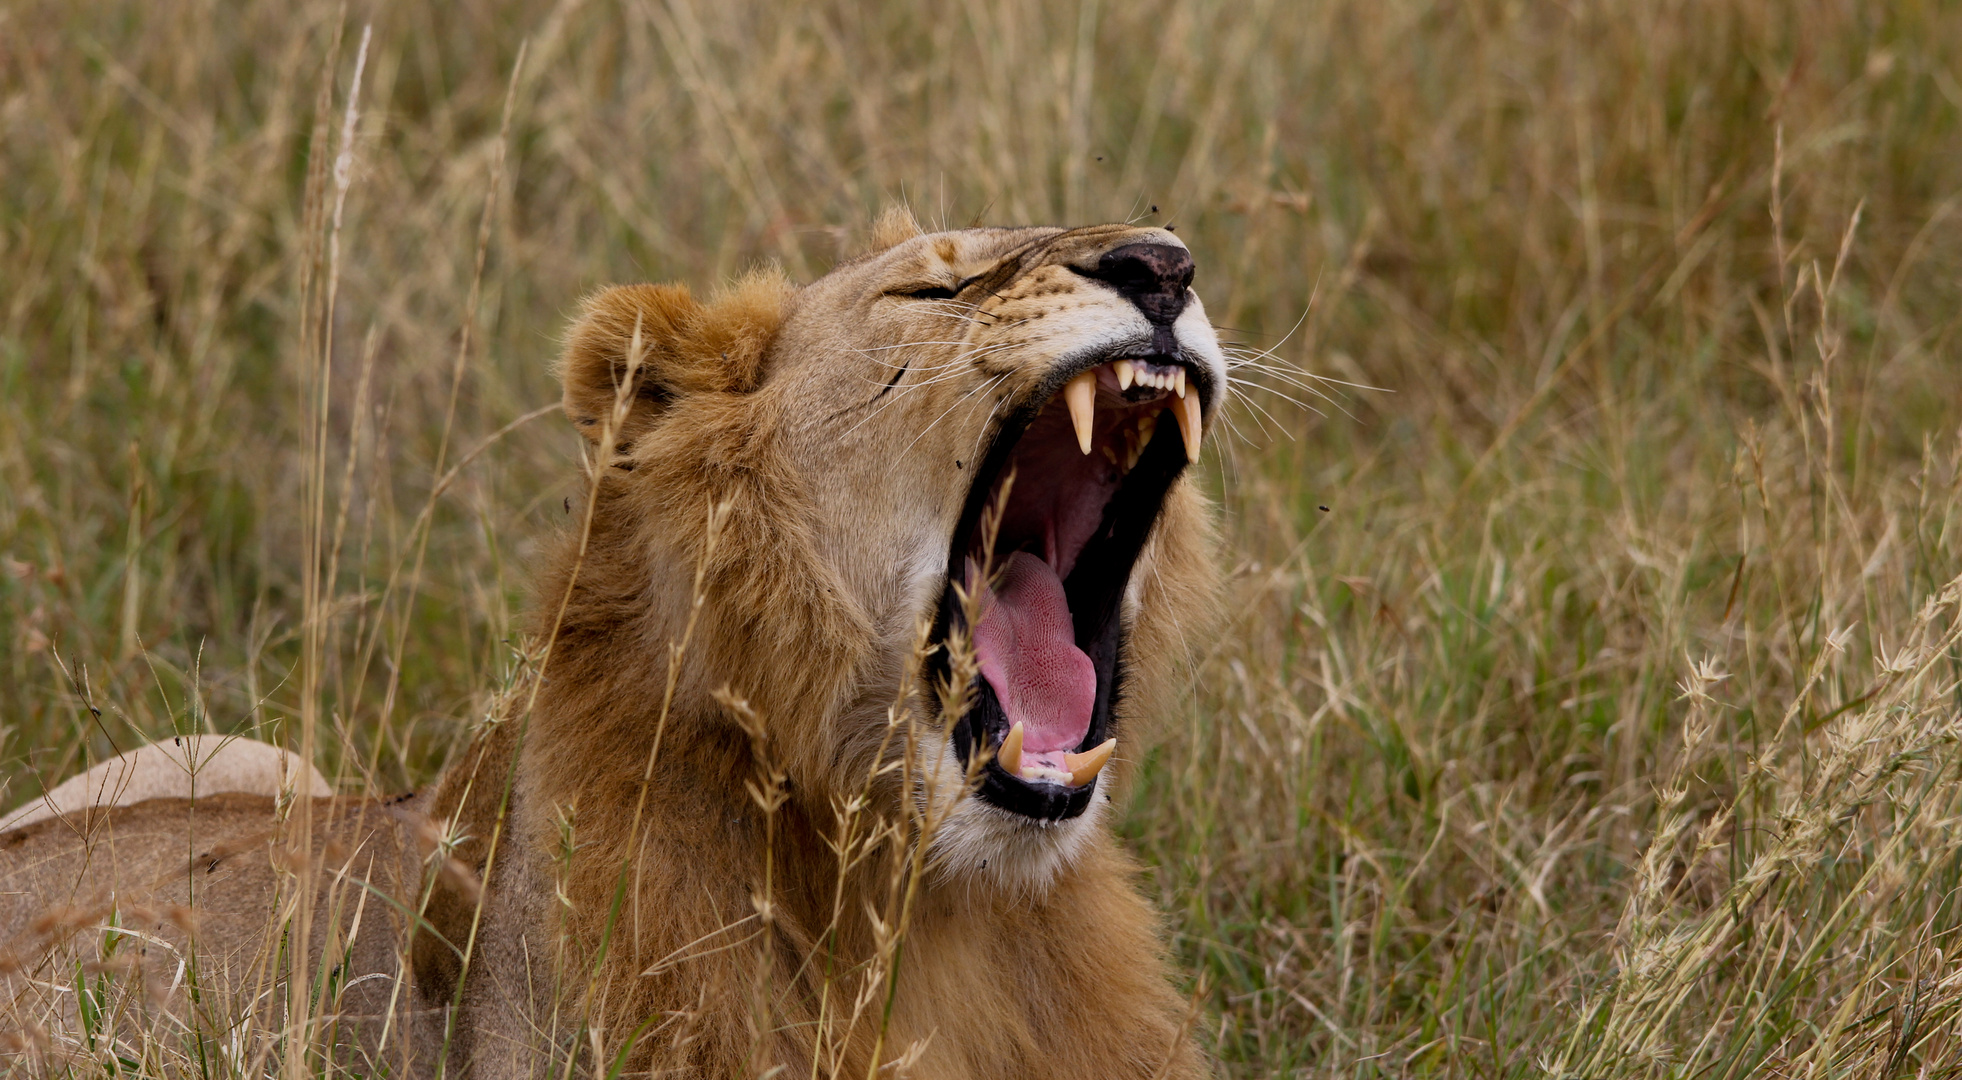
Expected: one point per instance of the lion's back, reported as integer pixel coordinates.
(168, 901)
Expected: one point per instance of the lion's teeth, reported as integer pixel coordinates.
(1178, 381)
(1138, 438)
(1186, 411)
(1126, 373)
(1010, 754)
(1080, 395)
(1085, 766)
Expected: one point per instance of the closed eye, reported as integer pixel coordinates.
(929, 292)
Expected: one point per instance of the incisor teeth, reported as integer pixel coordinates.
(1085, 766)
(1178, 381)
(1080, 395)
(1186, 411)
(1010, 754)
(1126, 373)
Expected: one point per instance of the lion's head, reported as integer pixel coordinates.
(864, 431)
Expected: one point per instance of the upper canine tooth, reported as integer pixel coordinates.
(1186, 411)
(1010, 754)
(1178, 381)
(1126, 373)
(1085, 766)
(1080, 395)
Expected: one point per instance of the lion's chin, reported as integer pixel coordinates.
(980, 843)
(1051, 531)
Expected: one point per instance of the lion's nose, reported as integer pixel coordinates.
(1153, 276)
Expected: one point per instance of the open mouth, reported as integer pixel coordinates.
(1073, 484)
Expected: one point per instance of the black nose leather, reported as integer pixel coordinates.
(1153, 276)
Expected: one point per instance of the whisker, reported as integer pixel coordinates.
(1289, 379)
(1226, 417)
(979, 387)
(1306, 374)
(909, 345)
(1237, 358)
(957, 361)
(1290, 398)
(1257, 407)
(900, 391)
(1294, 377)
(954, 309)
(975, 450)
(1272, 353)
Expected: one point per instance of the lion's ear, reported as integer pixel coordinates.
(894, 227)
(635, 348)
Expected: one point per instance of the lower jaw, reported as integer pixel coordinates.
(1039, 803)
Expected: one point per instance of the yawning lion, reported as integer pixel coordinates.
(879, 583)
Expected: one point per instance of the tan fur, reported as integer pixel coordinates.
(206, 889)
(180, 768)
(836, 466)
(894, 227)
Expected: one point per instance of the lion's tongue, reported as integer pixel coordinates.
(1026, 644)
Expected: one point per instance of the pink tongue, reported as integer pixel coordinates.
(1026, 644)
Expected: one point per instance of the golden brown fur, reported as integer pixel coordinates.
(837, 514)
(774, 489)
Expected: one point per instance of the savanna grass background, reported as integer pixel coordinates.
(1588, 700)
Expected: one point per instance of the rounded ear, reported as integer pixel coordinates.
(634, 349)
(894, 227)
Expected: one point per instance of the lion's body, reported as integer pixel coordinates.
(982, 970)
(207, 891)
(661, 850)
(180, 768)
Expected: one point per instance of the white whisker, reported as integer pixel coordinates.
(1256, 406)
(900, 391)
(979, 387)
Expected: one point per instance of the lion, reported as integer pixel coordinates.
(840, 668)
(183, 768)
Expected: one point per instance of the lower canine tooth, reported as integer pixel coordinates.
(1126, 374)
(1010, 754)
(1085, 766)
(1186, 411)
(1080, 395)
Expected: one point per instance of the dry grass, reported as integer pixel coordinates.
(1604, 722)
